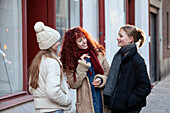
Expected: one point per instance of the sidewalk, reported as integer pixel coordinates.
(159, 99)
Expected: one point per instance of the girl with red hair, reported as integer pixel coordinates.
(86, 68)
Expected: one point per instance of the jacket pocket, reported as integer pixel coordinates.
(120, 102)
(134, 100)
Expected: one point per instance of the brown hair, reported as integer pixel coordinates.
(34, 68)
(137, 34)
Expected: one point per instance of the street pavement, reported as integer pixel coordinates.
(158, 100)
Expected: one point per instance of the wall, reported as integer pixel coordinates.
(165, 61)
(142, 22)
(114, 19)
(165, 67)
(166, 9)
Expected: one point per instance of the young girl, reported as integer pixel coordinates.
(128, 84)
(86, 68)
(46, 82)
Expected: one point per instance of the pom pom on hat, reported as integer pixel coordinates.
(46, 36)
(38, 27)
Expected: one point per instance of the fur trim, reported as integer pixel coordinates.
(103, 77)
(84, 64)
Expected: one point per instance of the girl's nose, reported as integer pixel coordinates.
(84, 41)
(117, 38)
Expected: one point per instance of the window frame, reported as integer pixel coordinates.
(22, 96)
(130, 12)
(81, 13)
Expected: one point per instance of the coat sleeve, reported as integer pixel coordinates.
(80, 74)
(106, 69)
(30, 88)
(142, 87)
(53, 89)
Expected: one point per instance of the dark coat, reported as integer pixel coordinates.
(133, 84)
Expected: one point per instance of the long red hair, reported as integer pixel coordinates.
(70, 53)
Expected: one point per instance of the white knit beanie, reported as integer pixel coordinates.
(46, 36)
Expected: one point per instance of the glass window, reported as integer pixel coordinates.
(62, 16)
(74, 13)
(67, 15)
(91, 18)
(11, 71)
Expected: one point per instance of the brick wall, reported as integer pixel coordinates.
(165, 31)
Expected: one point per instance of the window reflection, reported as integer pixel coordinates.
(62, 16)
(67, 15)
(11, 75)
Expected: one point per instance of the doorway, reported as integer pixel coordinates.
(154, 47)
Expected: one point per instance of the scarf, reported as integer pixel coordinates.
(94, 60)
(114, 70)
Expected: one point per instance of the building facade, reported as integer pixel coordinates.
(156, 39)
(18, 46)
(165, 60)
(159, 46)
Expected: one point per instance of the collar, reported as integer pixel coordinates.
(130, 54)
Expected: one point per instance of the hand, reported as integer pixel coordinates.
(96, 82)
(83, 57)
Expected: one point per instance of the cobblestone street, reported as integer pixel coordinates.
(159, 99)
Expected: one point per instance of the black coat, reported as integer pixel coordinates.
(133, 84)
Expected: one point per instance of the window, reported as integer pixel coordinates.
(67, 15)
(74, 13)
(11, 76)
(61, 16)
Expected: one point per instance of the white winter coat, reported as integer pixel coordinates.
(52, 93)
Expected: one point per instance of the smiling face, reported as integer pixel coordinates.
(123, 39)
(82, 42)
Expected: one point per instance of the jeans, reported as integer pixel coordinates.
(58, 111)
